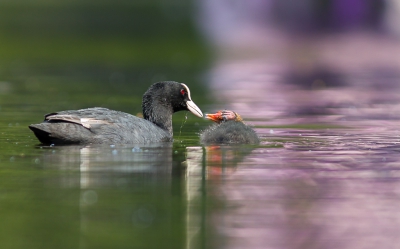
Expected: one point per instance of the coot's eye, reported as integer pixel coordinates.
(183, 91)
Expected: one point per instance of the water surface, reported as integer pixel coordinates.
(315, 181)
(326, 174)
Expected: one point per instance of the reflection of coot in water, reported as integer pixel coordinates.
(104, 126)
(229, 129)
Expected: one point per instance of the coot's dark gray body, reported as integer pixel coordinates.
(103, 126)
(108, 127)
(229, 132)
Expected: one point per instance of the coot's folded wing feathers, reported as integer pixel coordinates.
(95, 112)
(88, 118)
(85, 122)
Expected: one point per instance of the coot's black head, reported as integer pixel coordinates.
(162, 99)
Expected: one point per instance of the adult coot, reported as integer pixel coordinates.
(103, 126)
(229, 129)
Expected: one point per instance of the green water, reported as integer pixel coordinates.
(77, 54)
(130, 198)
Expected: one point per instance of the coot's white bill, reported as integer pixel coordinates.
(193, 108)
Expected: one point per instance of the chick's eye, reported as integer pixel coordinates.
(183, 92)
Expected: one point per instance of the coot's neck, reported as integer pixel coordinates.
(158, 112)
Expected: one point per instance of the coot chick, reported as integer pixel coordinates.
(103, 126)
(229, 129)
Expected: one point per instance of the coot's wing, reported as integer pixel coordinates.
(85, 122)
(88, 118)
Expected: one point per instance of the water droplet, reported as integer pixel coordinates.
(12, 159)
(136, 149)
(183, 123)
(144, 216)
(121, 182)
(89, 197)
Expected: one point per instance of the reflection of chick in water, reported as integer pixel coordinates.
(229, 129)
(220, 160)
(223, 160)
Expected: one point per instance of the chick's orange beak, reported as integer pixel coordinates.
(216, 117)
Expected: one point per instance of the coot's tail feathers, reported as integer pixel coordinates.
(42, 133)
(59, 133)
